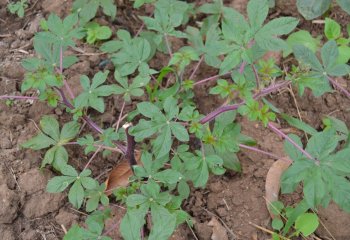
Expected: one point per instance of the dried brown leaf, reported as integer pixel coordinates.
(273, 180)
(119, 176)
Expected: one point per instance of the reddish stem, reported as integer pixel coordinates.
(196, 67)
(340, 87)
(259, 151)
(168, 45)
(281, 134)
(223, 109)
(18, 97)
(211, 78)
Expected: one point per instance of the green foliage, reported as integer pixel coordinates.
(131, 54)
(80, 183)
(93, 92)
(304, 223)
(301, 37)
(18, 7)
(96, 32)
(317, 77)
(162, 123)
(325, 180)
(87, 9)
(311, 9)
(95, 226)
(51, 136)
(178, 145)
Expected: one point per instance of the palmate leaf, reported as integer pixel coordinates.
(317, 78)
(87, 9)
(52, 136)
(325, 181)
(93, 92)
(61, 32)
(161, 124)
(266, 37)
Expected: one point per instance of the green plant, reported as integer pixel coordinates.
(313, 9)
(166, 123)
(285, 218)
(18, 7)
(96, 32)
(87, 9)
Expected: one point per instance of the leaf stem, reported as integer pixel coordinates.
(281, 134)
(211, 78)
(258, 95)
(340, 87)
(66, 85)
(259, 151)
(120, 117)
(196, 67)
(168, 45)
(92, 157)
(257, 79)
(18, 97)
(88, 120)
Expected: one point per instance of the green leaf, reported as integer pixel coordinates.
(301, 37)
(257, 12)
(329, 54)
(299, 124)
(59, 184)
(179, 132)
(266, 36)
(321, 144)
(307, 57)
(168, 176)
(91, 97)
(163, 142)
(148, 109)
(69, 131)
(277, 224)
(76, 194)
(164, 223)
(332, 29)
(38, 142)
(345, 5)
(314, 188)
(131, 224)
(307, 223)
(311, 9)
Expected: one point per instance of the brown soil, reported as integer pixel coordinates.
(27, 212)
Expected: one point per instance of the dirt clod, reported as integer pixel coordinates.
(49, 202)
(9, 204)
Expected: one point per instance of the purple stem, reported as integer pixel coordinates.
(211, 78)
(168, 45)
(66, 85)
(92, 157)
(281, 134)
(257, 79)
(91, 123)
(18, 97)
(223, 109)
(196, 67)
(340, 87)
(241, 68)
(259, 151)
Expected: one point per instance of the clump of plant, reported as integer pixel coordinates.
(18, 7)
(161, 160)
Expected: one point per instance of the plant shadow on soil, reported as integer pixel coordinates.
(27, 212)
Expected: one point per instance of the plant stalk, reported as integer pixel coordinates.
(281, 134)
(340, 87)
(18, 97)
(259, 151)
(196, 67)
